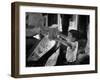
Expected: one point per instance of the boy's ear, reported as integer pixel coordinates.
(74, 39)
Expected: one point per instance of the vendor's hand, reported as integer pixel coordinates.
(53, 32)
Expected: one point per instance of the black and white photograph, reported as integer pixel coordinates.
(57, 39)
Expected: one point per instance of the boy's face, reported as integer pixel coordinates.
(70, 37)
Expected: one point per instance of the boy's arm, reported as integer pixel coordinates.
(64, 42)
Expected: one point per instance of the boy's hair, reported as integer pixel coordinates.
(75, 34)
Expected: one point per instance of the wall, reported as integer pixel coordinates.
(5, 40)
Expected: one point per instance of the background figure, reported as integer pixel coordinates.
(38, 49)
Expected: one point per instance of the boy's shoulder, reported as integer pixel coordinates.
(74, 44)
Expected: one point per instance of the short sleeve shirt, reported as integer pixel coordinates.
(71, 52)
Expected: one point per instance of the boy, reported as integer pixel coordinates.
(71, 41)
(72, 48)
